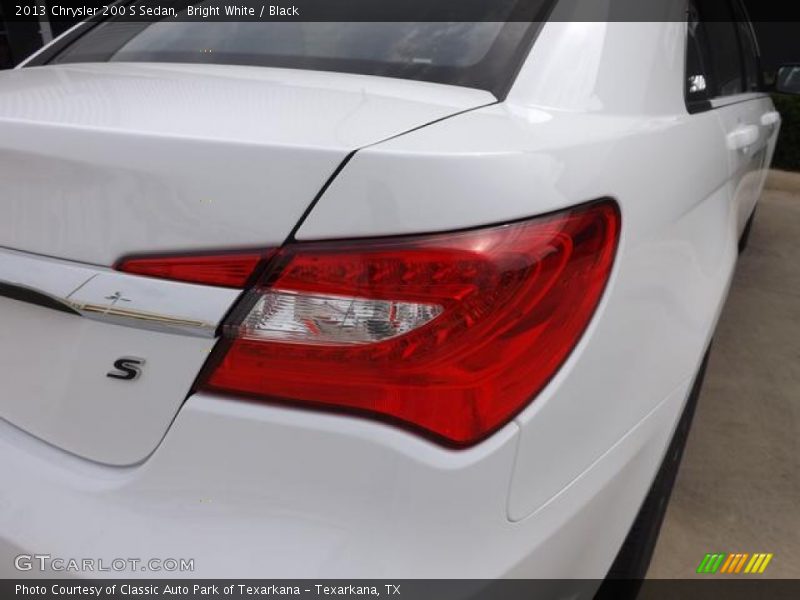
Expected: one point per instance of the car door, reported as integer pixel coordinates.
(767, 118)
(723, 75)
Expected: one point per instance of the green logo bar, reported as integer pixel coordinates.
(711, 563)
(704, 563)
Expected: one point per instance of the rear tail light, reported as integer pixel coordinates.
(449, 334)
(229, 269)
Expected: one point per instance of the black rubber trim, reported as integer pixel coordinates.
(30, 296)
(699, 106)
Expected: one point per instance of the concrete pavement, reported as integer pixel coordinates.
(738, 489)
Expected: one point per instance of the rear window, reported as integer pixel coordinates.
(484, 55)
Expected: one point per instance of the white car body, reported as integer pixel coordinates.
(97, 159)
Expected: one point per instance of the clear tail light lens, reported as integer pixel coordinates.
(331, 320)
(449, 334)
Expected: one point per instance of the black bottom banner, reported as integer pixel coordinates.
(406, 589)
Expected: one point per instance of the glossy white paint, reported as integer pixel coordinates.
(55, 385)
(54, 363)
(157, 157)
(750, 143)
(677, 183)
(115, 297)
(253, 490)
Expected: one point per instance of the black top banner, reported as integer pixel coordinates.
(384, 10)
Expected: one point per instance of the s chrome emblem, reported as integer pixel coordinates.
(127, 368)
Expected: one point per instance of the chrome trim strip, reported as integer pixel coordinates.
(101, 294)
(721, 101)
(144, 320)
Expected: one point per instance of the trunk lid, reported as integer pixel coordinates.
(102, 160)
(98, 161)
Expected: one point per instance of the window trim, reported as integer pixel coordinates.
(749, 24)
(736, 99)
(707, 104)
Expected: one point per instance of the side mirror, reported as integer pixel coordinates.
(787, 80)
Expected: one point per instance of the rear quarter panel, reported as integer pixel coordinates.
(588, 118)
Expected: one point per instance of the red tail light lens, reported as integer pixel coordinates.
(225, 270)
(449, 334)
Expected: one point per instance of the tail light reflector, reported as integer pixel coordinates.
(448, 334)
(233, 269)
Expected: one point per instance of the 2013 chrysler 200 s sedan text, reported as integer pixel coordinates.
(366, 299)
